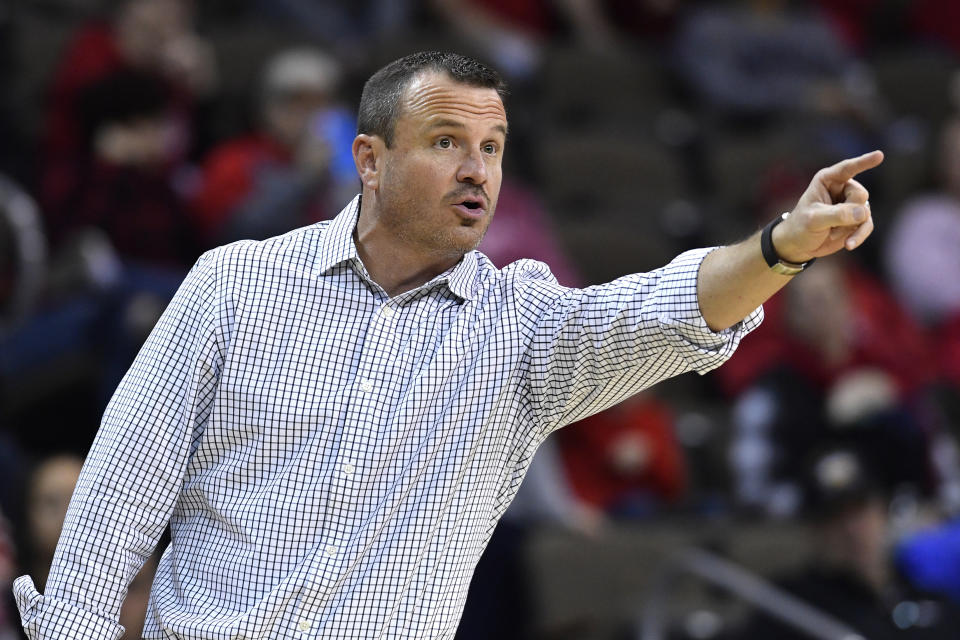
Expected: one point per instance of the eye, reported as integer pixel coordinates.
(490, 148)
(444, 143)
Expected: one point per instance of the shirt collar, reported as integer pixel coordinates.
(337, 246)
(461, 278)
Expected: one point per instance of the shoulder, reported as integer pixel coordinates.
(522, 273)
(526, 284)
(251, 261)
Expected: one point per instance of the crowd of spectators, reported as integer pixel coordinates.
(153, 130)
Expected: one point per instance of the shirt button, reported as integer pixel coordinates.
(366, 386)
(331, 550)
(349, 469)
(387, 312)
(304, 625)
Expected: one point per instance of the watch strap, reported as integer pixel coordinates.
(774, 261)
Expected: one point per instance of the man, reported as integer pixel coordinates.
(332, 421)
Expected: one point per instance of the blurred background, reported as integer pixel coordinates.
(808, 488)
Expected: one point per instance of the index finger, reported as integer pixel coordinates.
(846, 169)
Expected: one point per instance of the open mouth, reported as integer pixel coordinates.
(471, 208)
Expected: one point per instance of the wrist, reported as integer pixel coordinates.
(782, 247)
(777, 253)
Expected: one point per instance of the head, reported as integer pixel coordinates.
(145, 27)
(48, 496)
(850, 516)
(297, 84)
(432, 129)
(820, 312)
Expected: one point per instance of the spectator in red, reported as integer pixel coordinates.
(837, 319)
(148, 35)
(297, 168)
(836, 357)
(126, 186)
(626, 459)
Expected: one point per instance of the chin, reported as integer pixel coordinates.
(459, 239)
(468, 244)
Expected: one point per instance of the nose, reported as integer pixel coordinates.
(472, 169)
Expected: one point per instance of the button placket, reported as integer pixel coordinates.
(360, 423)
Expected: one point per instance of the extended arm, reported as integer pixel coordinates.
(594, 347)
(832, 214)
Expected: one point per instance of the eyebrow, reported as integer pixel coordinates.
(439, 124)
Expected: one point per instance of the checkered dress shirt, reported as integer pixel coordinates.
(331, 460)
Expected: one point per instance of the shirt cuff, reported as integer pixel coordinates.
(683, 323)
(46, 618)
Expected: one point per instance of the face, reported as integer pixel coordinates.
(820, 311)
(288, 116)
(436, 187)
(145, 26)
(857, 539)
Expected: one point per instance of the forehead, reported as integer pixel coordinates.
(436, 96)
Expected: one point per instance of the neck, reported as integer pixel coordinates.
(392, 262)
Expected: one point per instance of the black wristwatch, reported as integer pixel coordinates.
(774, 261)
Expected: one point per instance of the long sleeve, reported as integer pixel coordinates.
(132, 476)
(597, 346)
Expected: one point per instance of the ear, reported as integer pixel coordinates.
(367, 151)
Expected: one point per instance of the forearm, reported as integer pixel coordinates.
(733, 281)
